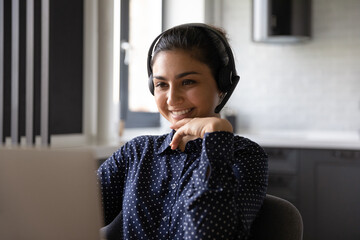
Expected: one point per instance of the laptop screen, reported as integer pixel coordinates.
(49, 194)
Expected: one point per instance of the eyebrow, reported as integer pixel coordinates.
(180, 75)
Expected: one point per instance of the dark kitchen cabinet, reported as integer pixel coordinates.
(284, 173)
(323, 185)
(330, 194)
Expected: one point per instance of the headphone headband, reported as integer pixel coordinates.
(228, 78)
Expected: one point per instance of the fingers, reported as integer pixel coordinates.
(176, 140)
(191, 128)
(180, 133)
(180, 123)
(185, 129)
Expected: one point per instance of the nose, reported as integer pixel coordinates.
(174, 96)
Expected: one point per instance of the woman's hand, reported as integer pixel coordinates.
(191, 128)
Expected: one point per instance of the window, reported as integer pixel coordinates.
(141, 22)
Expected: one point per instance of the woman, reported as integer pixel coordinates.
(200, 181)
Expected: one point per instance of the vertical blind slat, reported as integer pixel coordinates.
(15, 19)
(14, 104)
(45, 8)
(30, 72)
(2, 25)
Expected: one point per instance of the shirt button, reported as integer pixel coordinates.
(164, 219)
(173, 186)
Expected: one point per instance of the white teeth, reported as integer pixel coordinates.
(178, 113)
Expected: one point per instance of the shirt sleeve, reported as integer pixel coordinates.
(229, 187)
(111, 175)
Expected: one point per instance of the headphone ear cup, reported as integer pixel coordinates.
(151, 84)
(224, 82)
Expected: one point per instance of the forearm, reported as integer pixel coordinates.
(212, 214)
(228, 187)
(212, 210)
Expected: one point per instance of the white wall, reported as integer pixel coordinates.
(185, 11)
(191, 11)
(311, 86)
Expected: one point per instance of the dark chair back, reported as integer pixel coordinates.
(278, 219)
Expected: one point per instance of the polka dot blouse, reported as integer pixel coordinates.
(212, 190)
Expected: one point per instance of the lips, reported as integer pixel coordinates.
(178, 113)
(181, 113)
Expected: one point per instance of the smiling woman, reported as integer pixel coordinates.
(200, 181)
(184, 87)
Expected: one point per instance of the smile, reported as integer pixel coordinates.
(182, 112)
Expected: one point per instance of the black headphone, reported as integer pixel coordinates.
(227, 79)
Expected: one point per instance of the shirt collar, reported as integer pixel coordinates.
(164, 143)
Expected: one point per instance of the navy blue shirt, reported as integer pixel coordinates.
(212, 190)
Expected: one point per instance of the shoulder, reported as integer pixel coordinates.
(141, 140)
(144, 142)
(146, 139)
(250, 155)
(245, 145)
(240, 144)
(251, 161)
(134, 149)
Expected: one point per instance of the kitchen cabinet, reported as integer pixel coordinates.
(283, 173)
(323, 185)
(330, 194)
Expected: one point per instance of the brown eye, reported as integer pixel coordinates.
(160, 85)
(188, 82)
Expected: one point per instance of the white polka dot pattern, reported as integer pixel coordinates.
(212, 190)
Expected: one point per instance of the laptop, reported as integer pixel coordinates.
(49, 194)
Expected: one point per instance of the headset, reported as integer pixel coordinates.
(227, 79)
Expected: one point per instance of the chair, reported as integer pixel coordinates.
(278, 219)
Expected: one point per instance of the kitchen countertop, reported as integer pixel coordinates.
(277, 139)
(306, 139)
(283, 138)
(331, 140)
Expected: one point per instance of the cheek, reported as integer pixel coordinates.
(204, 97)
(159, 100)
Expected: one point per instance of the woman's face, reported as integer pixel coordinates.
(184, 86)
